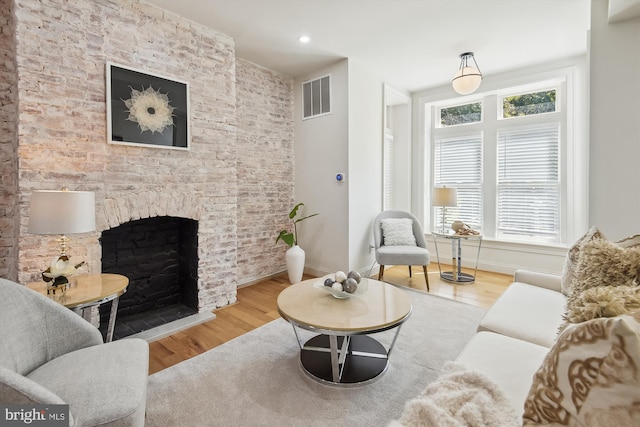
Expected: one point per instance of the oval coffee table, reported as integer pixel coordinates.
(343, 353)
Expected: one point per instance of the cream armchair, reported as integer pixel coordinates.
(50, 355)
(400, 254)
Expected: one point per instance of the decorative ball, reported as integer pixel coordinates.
(328, 282)
(350, 285)
(340, 276)
(337, 286)
(354, 275)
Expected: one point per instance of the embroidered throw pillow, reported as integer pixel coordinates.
(398, 232)
(629, 242)
(590, 377)
(571, 260)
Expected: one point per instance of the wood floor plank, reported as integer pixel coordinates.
(257, 305)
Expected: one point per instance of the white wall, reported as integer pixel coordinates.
(614, 200)
(366, 127)
(398, 123)
(349, 140)
(321, 150)
(401, 115)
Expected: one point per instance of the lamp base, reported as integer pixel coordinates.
(63, 241)
(444, 210)
(56, 289)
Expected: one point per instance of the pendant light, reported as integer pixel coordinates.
(468, 77)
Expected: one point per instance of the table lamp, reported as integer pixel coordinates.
(62, 212)
(444, 197)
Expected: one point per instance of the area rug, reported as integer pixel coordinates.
(256, 379)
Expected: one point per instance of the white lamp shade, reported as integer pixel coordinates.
(444, 196)
(466, 80)
(62, 212)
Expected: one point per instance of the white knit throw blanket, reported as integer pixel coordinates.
(459, 398)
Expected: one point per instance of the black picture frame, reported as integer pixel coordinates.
(146, 110)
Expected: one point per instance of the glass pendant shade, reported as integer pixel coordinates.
(467, 80)
(468, 77)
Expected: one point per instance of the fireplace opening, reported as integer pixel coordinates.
(160, 257)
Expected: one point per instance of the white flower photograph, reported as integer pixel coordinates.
(145, 109)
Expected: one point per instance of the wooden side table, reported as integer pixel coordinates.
(456, 275)
(86, 291)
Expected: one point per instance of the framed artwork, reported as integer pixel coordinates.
(146, 110)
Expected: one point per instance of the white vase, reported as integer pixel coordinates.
(295, 263)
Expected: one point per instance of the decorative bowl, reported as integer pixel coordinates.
(362, 288)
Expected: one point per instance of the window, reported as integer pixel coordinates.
(529, 104)
(502, 151)
(461, 114)
(316, 97)
(459, 164)
(528, 183)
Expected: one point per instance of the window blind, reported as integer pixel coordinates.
(458, 163)
(528, 182)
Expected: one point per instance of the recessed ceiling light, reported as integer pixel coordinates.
(304, 39)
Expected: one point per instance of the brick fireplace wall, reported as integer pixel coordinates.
(9, 218)
(265, 165)
(225, 182)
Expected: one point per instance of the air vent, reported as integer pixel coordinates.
(316, 97)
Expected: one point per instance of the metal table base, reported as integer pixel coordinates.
(456, 275)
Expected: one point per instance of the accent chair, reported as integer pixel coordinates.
(50, 355)
(399, 240)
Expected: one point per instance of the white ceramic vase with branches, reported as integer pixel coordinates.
(295, 255)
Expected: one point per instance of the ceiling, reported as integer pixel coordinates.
(411, 44)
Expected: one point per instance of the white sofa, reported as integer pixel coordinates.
(518, 363)
(516, 334)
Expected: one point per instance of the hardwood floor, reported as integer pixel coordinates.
(256, 306)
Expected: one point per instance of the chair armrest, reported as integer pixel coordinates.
(543, 280)
(18, 389)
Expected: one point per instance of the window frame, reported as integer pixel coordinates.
(492, 121)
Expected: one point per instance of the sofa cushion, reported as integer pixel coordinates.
(571, 260)
(508, 362)
(398, 232)
(526, 312)
(590, 377)
(115, 375)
